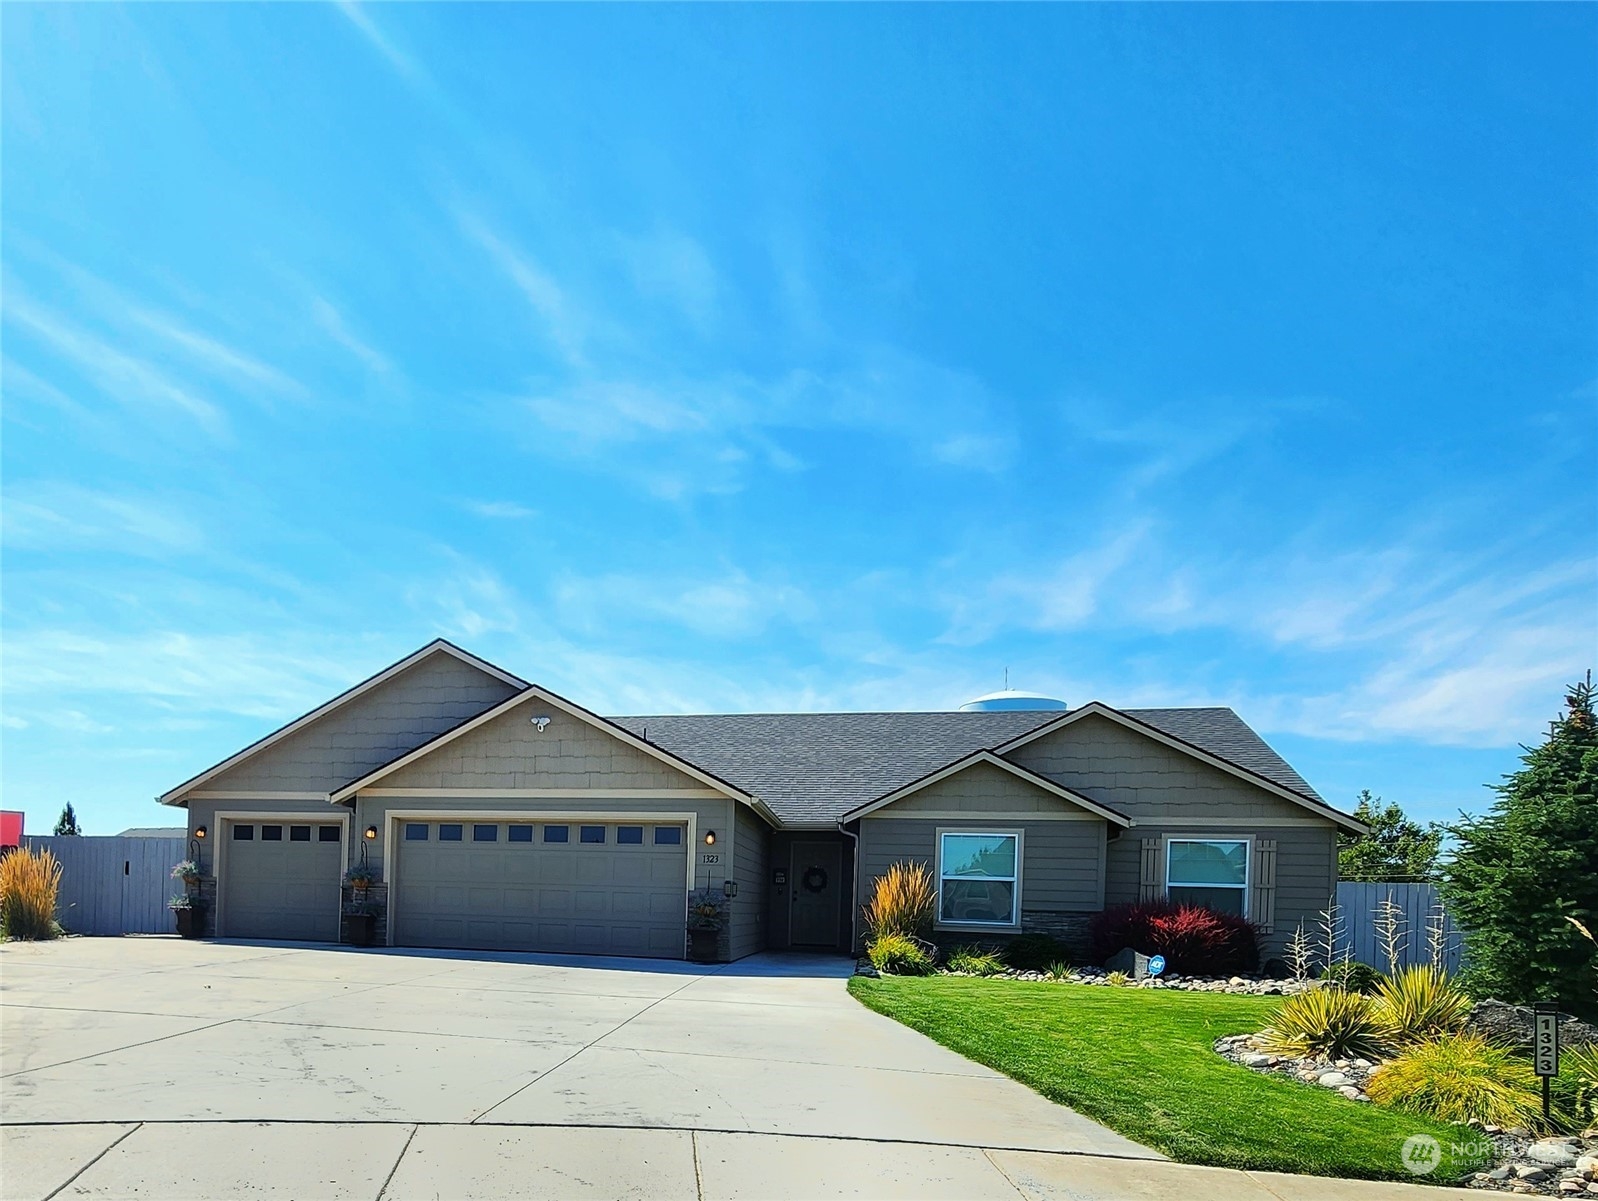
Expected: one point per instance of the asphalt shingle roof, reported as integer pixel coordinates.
(815, 767)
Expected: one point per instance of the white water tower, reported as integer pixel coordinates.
(1011, 699)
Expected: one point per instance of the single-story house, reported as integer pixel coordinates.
(495, 814)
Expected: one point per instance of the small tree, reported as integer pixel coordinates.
(1395, 849)
(67, 823)
(1529, 865)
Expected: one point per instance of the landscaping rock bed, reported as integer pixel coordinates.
(1549, 1167)
(1346, 1076)
(1242, 985)
(1259, 986)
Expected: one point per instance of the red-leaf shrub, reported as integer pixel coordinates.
(1195, 941)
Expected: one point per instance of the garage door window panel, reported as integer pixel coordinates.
(555, 833)
(271, 833)
(243, 833)
(630, 835)
(415, 831)
(668, 836)
(485, 833)
(327, 833)
(449, 832)
(591, 834)
(520, 834)
(299, 833)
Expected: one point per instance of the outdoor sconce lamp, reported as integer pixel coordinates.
(199, 831)
(710, 838)
(371, 832)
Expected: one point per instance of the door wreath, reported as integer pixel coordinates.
(814, 879)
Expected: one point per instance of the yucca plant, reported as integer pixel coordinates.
(1419, 1003)
(1327, 1022)
(975, 961)
(1460, 1078)
(903, 901)
(898, 955)
(1118, 979)
(29, 882)
(1058, 970)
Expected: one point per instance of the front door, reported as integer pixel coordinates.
(814, 879)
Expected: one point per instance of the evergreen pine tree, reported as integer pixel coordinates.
(67, 823)
(1530, 864)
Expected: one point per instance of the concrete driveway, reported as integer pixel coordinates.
(155, 1067)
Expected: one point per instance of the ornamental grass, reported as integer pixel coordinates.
(1460, 1078)
(29, 883)
(903, 901)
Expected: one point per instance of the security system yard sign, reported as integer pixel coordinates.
(1545, 1045)
(1156, 965)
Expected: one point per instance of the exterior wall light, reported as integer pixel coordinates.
(710, 838)
(199, 831)
(371, 832)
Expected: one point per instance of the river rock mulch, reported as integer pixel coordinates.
(1346, 1076)
(1549, 1167)
(1260, 986)
(1522, 1163)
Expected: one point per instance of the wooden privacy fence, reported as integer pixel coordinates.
(114, 885)
(1359, 906)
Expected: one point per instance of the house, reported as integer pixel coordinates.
(492, 813)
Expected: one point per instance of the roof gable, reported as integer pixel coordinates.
(508, 745)
(987, 762)
(406, 703)
(1135, 724)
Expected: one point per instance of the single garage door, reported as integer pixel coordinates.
(590, 889)
(282, 879)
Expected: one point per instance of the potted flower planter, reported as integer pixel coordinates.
(361, 927)
(191, 921)
(702, 945)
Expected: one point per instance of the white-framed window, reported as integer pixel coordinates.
(979, 878)
(1212, 872)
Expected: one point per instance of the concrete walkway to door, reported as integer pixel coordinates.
(133, 1067)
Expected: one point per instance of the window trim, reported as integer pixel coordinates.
(1014, 832)
(1248, 865)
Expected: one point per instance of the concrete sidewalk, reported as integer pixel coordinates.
(383, 1161)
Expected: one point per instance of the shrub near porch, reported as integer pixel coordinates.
(1141, 1062)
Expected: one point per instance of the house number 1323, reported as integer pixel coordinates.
(710, 857)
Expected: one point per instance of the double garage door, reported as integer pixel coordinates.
(596, 888)
(280, 879)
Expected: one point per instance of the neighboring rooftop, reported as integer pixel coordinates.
(815, 767)
(154, 832)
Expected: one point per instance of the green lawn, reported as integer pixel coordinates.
(1140, 1061)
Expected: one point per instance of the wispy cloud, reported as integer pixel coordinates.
(332, 323)
(728, 604)
(670, 267)
(212, 355)
(397, 58)
(121, 377)
(561, 318)
(500, 510)
(53, 516)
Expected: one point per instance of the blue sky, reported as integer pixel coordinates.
(690, 359)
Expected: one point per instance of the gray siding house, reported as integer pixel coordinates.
(494, 814)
